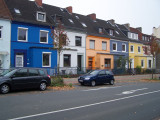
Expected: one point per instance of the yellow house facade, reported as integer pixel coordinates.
(98, 53)
(137, 56)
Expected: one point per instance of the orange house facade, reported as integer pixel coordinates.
(98, 53)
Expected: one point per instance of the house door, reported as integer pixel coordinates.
(19, 61)
(131, 63)
(107, 63)
(79, 62)
(90, 62)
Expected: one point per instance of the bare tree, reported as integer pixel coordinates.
(60, 40)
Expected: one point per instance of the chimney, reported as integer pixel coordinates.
(127, 25)
(39, 2)
(92, 16)
(139, 28)
(112, 21)
(69, 9)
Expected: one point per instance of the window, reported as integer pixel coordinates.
(78, 41)
(43, 36)
(111, 32)
(129, 35)
(123, 47)
(92, 44)
(21, 73)
(100, 30)
(139, 49)
(41, 72)
(132, 48)
(41, 16)
(67, 60)
(102, 73)
(84, 25)
(133, 35)
(22, 34)
(0, 32)
(46, 59)
(104, 45)
(64, 38)
(142, 63)
(33, 72)
(114, 46)
(149, 63)
(71, 21)
(107, 63)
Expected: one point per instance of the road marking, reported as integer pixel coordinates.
(89, 105)
(101, 88)
(131, 91)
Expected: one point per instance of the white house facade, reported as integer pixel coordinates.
(5, 34)
(73, 58)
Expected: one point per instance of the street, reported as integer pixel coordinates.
(119, 102)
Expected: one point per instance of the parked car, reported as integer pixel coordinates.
(22, 78)
(97, 77)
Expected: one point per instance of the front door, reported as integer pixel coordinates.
(79, 62)
(19, 61)
(90, 62)
(131, 63)
(107, 63)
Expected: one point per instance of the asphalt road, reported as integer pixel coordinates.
(127, 102)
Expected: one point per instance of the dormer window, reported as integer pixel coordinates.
(100, 30)
(41, 16)
(71, 21)
(133, 35)
(111, 32)
(17, 11)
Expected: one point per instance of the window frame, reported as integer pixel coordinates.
(133, 49)
(143, 64)
(44, 20)
(116, 46)
(80, 41)
(90, 44)
(26, 34)
(69, 60)
(125, 47)
(1, 30)
(40, 36)
(105, 45)
(111, 32)
(139, 49)
(49, 59)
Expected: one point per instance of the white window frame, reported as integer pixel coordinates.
(1, 30)
(133, 49)
(143, 64)
(26, 34)
(44, 16)
(105, 46)
(129, 35)
(116, 46)
(111, 32)
(49, 59)
(125, 47)
(40, 36)
(138, 49)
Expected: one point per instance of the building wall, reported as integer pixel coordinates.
(98, 54)
(5, 43)
(74, 50)
(33, 49)
(156, 32)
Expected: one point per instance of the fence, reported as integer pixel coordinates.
(84, 70)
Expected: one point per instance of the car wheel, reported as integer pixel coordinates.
(111, 82)
(43, 86)
(93, 83)
(4, 89)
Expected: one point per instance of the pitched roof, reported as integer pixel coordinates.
(4, 12)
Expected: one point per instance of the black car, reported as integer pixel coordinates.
(97, 77)
(22, 78)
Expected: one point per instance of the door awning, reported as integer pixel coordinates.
(4, 53)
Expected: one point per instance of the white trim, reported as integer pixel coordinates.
(112, 46)
(143, 63)
(26, 34)
(49, 59)
(38, 12)
(21, 56)
(125, 47)
(40, 36)
(140, 50)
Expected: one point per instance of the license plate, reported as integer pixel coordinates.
(80, 80)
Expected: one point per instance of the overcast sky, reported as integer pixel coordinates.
(139, 13)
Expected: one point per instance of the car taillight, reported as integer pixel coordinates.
(49, 76)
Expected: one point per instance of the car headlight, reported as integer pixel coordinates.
(87, 78)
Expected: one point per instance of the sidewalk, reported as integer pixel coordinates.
(119, 79)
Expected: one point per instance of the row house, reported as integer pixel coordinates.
(30, 41)
(5, 32)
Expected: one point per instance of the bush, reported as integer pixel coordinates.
(138, 69)
(70, 85)
(57, 81)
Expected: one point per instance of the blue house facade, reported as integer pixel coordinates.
(120, 50)
(31, 46)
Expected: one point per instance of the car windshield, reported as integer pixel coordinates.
(3, 72)
(9, 73)
(94, 72)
